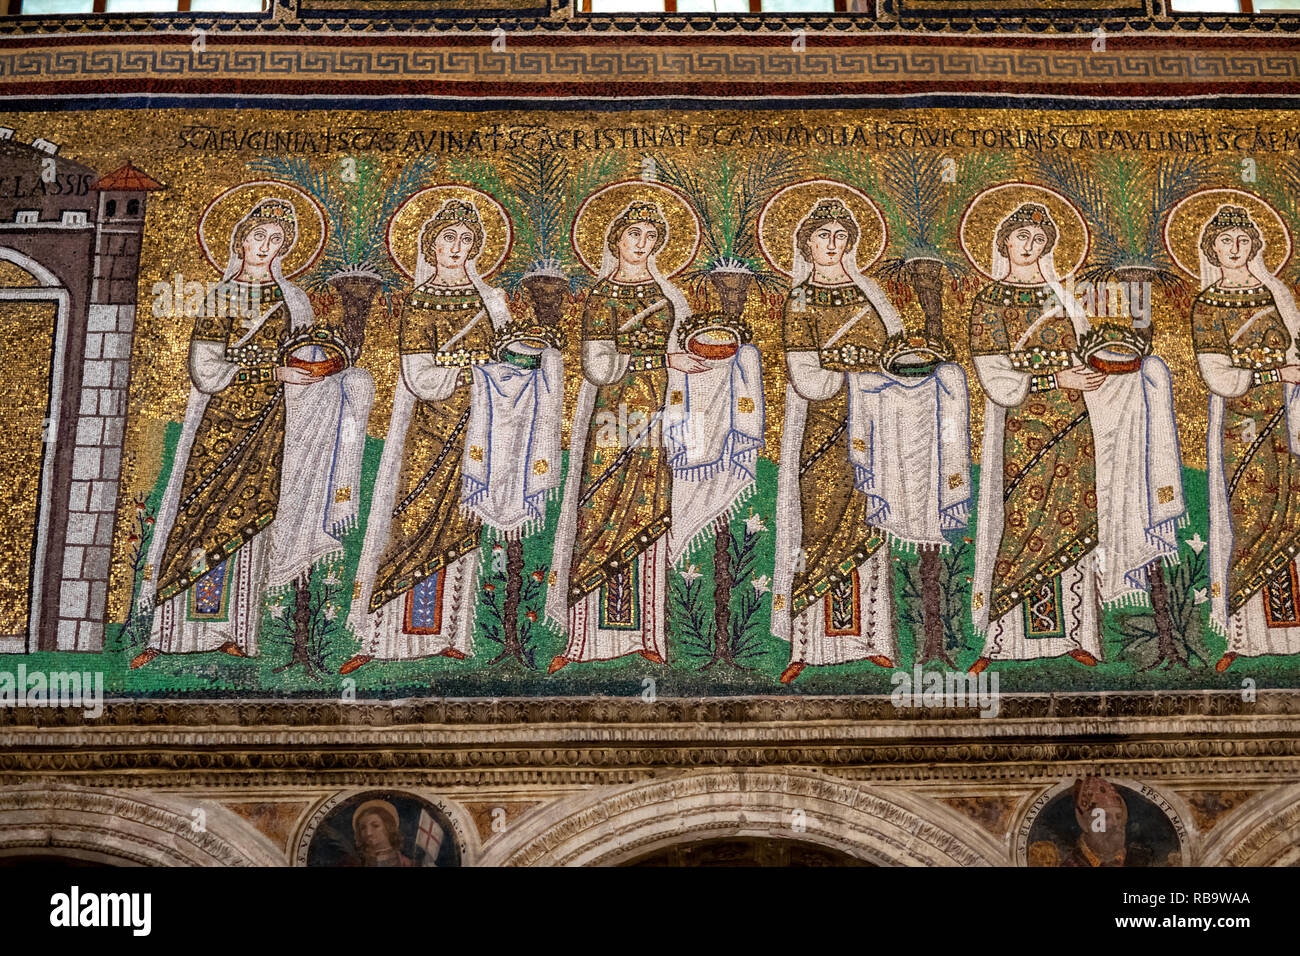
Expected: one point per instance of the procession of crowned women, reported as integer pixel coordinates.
(631, 473)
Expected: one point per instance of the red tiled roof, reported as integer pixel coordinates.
(126, 179)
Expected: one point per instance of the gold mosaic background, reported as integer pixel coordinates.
(199, 154)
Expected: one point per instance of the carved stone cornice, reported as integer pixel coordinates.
(1186, 736)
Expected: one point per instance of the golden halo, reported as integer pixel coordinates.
(782, 214)
(1187, 219)
(602, 207)
(404, 228)
(219, 219)
(985, 212)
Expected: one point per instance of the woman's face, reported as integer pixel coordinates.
(1026, 245)
(452, 245)
(636, 243)
(262, 244)
(372, 835)
(1233, 248)
(828, 243)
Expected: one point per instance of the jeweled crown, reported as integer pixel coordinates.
(529, 333)
(913, 342)
(456, 210)
(1229, 217)
(1108, 335)
(1032, 213)
(642, 211)
(830, 209)
(699, 321)
(276, 210)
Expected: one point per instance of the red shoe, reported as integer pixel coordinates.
(1224, 662)
(355, 662)
(1083, 657)
(144, 657)
(880, 660)
(556, 664)
(454, 654)
(651, 656)
(791, 672)
(233, 649)
(980, 665)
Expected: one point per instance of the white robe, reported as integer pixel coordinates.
(713, 431)
(1139, 505)
(325, 429)
(1247, 630)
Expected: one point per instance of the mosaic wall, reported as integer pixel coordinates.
(564, 403)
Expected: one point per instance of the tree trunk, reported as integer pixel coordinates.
(511, 645)
(722, 650)
(926, 277)
(301, 627)
(1166, 651)
(357, 293)
(932, 647)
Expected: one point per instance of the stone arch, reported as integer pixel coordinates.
(41, 273)
(136, 828)
(610, 827)
(1263, 831)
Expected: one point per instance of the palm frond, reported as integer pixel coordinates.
(1077, 182)
(1176, 178)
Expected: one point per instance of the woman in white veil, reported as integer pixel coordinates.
(1244, 327)
(608, 584)
(243, 508)
(836, 322)
(416, 591)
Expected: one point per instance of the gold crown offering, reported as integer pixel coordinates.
(456, 210)
(714, 335)
(337, 354)
(830, 209)
(528, 338)
(1114, 349)
(914, 354)
(276, 210)
(1031, 212)
(1228, 217)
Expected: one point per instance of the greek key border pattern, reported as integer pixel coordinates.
(525, 64)
(562, 15)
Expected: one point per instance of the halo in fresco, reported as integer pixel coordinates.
(781, 215)
(219, 218)
(1187, 219)
(604, 206)
(404, 229)
(990, 206)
